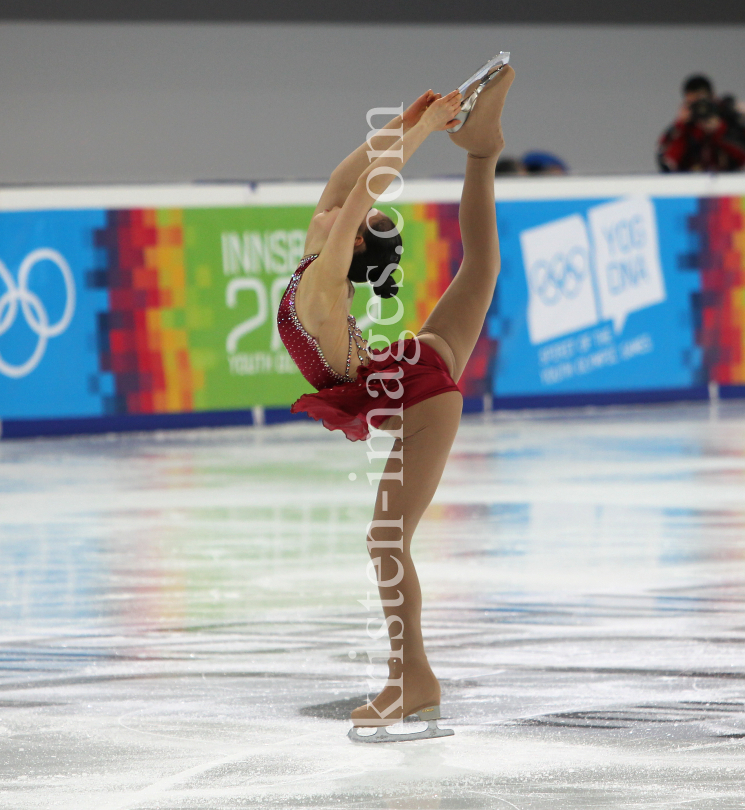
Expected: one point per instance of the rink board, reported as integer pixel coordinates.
(147, 307)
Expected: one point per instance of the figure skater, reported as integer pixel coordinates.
(409, 389)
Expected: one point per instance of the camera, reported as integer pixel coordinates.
(726, 107)
(702, 109)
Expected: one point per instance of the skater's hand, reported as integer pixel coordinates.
(414, 111)
(442, 111)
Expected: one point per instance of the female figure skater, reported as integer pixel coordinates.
(410, 389)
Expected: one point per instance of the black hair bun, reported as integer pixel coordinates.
(386, 288)
(379, 259)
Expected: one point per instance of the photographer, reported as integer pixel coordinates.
(708, 135)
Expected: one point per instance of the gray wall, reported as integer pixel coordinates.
(87, 102)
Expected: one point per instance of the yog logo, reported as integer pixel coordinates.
(20, 301)
(580, 273)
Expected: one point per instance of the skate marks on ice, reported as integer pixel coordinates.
(723, 715)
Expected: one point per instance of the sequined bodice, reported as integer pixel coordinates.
(304, 348)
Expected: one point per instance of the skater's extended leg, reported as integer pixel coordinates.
(455, 323)
(428, 430)
(458, 316)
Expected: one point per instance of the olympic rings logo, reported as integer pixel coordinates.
(34, 311)
(561, 277)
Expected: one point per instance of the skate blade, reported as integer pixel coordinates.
(382, 734)
(483, 77)
(502, 58)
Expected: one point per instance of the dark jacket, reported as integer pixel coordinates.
(687, 147)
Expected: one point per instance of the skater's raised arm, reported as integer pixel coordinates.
(346, 174)
(336, 254)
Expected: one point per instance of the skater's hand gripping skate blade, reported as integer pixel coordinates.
(413, 113)
(440, 114)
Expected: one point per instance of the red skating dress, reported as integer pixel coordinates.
(407, 373)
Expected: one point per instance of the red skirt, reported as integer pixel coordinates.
(395, 379)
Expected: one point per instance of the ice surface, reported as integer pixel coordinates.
(179, 614)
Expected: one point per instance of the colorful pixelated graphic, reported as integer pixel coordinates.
(439, 254)
(719, 224)
(192, 295)
(143, 337)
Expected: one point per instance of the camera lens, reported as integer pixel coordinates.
(702, 109)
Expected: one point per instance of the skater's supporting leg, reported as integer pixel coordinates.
(430, 426)
(428, 432)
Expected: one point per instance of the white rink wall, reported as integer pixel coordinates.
(268, 193)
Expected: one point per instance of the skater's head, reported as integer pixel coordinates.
(696, 88)
(377, 252)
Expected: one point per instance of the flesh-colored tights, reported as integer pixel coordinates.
(427, 433)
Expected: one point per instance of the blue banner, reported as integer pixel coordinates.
(596, 296)
(48, 353)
